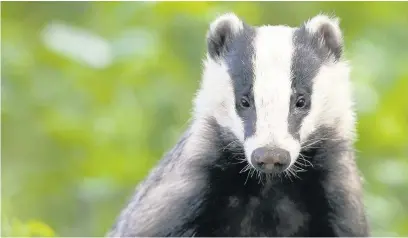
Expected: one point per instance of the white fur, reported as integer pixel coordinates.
(272, 90)
(324, 24)
(331, 102)
(216, 98)
(315, 24)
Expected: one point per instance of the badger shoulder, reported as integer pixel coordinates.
(173, 192)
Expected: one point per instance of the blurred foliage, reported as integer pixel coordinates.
(28, 229)
(93, 93)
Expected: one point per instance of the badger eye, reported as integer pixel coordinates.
(301, 102)
(244, 102)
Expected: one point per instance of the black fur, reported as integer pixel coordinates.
(233, 204)
(307, 58)
(241, 70)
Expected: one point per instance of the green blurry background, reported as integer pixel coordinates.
(93, 93)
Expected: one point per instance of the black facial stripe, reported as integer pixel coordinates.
(241, 70)
(308, 57)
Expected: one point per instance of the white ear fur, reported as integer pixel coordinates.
(329, 32)
(227, 18)
(221, 32)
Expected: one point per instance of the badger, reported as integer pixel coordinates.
(269, 148)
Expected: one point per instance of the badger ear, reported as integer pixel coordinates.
(221, 33)
(328, 32)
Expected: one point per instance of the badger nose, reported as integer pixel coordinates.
(270, 160)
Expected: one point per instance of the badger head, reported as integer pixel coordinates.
(274, 87)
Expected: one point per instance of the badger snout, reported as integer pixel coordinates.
(270, 160)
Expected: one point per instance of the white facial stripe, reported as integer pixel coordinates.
(216, 98)
(272, 90)
(331, 102)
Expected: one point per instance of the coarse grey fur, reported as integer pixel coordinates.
(198, 188)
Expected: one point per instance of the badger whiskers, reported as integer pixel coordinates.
(308, 143)
(229, 144)
(301, 160)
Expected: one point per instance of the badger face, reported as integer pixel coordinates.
(274, 86)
